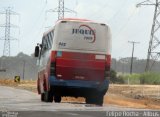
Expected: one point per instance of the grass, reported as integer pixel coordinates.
(150, 78)
(11, 82)
(145, 78)
(132, 79)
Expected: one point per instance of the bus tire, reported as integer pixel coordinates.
(89, 100)
(48, 97)
(57, 99)
(98, 100)
(42, 97)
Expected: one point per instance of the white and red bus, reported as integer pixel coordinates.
(74, 60)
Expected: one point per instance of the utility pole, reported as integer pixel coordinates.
(7, 38)
(133, 43)
(154, 43)
(24, 65)
(61, 9)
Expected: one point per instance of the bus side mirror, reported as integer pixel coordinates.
(36, 53)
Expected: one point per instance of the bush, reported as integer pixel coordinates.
(145, 78)
(115, 79)
(150, 78)
(132, 79)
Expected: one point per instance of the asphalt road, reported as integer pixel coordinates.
(25, 103)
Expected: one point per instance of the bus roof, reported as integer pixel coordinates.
(77, 20)
(70, 19)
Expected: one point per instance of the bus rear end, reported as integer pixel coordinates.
(80, 60)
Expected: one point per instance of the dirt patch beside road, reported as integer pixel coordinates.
(135, 96)
(138, 96)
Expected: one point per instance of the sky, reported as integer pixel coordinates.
(127, 23)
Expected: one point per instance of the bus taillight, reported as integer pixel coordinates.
(53, 69)
(53, 56)
(108, 62)
(107, 67)
(53, 63)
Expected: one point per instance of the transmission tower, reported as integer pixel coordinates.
(154, 43)
(61, 9)
(7, 36)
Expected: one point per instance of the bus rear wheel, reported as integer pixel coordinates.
(98, 100)
(48, 97)
(42, 97)
(57, 99)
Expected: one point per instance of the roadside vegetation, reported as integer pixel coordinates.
(23, 84)
(150, 78)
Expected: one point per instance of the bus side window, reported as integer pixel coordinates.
(52, 35)
(47, 43)
(44, 45)
(50, 39)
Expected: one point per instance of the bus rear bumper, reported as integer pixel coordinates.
(99, 86)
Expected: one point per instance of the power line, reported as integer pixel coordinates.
(126, 23)
(133, 44)
(154, 43)
(39, 17)
(99, 10)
